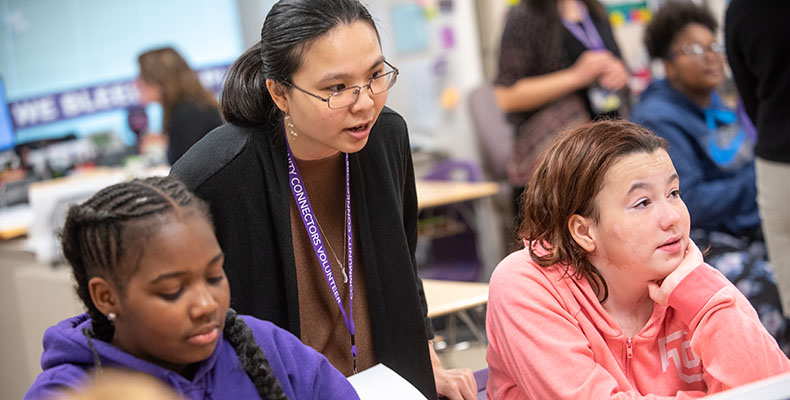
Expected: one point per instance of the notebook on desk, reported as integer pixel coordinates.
(381, 383)
(774, 388)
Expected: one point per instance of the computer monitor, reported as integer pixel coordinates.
(7, 140)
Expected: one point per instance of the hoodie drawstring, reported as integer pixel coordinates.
(96, 360)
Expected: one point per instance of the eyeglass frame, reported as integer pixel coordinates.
(395, 71)
(689, 50)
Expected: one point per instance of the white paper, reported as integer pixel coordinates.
(16, 217)
(381, 383)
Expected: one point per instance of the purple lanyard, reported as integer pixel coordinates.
(309, 220)
(589, 35)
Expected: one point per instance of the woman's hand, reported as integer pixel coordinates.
(615, 75)
(660, 291)
(454, 384)
(589, 66)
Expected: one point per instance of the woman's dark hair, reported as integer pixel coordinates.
(671, 18)
(104, 237)
(177, 82)
(288, 30)
(569, 175)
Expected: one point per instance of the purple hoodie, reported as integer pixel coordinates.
(303, 373)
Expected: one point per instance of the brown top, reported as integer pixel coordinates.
(322, 325)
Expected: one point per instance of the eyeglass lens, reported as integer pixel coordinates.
(348, 96)
(697, 49)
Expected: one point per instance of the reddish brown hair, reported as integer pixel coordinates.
(569, 175)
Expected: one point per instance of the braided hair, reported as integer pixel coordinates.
(103, 236)
(251, 357)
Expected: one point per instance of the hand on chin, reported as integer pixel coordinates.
(660, 290)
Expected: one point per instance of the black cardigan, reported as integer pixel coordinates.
(242, 173)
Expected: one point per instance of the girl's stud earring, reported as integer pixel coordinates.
(290, 126)
(111, 316)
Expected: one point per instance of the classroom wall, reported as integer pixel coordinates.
(252, 13)
(47, 46)
(55, 45)
(436, 45)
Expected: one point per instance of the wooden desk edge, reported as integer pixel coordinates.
(456, 305)
(477, 190)
(12, 233)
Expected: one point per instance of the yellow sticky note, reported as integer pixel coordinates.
(450, 98)
(431, 11)
(616, 19)
(645, 15)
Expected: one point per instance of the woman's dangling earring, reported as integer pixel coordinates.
(290, 126)
(111, 316)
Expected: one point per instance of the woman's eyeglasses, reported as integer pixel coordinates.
(348, 96)
(698, 51)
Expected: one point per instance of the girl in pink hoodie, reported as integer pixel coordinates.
(610, 298)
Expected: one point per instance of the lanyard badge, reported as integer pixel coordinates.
(310, 223)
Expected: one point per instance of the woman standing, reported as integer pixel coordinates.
(190, 111)
(312, 190)
(558, 64)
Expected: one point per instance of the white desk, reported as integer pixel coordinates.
(15, 221)
(774, 388)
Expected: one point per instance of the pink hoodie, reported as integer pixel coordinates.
(550, 338)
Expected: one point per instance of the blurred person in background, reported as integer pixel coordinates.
(189, 110)
(758, 49)
(712, 153)
(558, 64)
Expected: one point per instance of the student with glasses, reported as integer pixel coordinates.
(311, 187)
(712, 151)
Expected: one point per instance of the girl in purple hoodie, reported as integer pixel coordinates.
(150, 273)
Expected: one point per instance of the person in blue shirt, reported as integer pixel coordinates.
(712, 151)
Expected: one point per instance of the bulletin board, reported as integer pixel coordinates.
(628, 19)
(435, 44)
